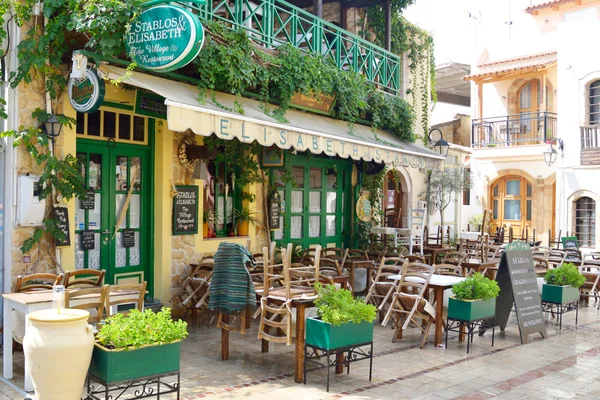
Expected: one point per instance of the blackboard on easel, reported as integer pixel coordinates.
(570, 242)
(518, 285)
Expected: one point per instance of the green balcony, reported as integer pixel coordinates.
(271, 23)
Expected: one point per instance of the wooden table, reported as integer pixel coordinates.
(475, 264)
(438, 283)
(435, 251)
(356, 264)
(35, 301)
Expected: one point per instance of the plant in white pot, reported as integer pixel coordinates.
(562, 284)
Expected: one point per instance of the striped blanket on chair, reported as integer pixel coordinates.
(231, 287)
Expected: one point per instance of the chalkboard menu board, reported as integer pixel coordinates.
(185, 210)
(88, 240)
(89, 201)
(61, 215)
(275, 213)
(128, 238)
(518, 284)
(570, 242)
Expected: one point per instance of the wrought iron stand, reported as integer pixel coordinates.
(142, 388)
(454, 325)
(355, 353)
(559, 309)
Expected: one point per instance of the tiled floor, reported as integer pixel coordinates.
(565, 365)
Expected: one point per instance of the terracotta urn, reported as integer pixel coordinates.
(58, 349)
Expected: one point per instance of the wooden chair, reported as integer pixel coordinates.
(540, 265)
(334, 253)
(193, 293)
(454, 258)
(590, 268)
(97, 303)
(556, 258)
(393, 217)
(414, 258)
(35, 282)
(84, 278)
(382, 288)
(416, 225)
(409, 303)
(137, 290)
(449, 269)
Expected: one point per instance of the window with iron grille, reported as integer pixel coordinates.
(594, 103)
(585, 221)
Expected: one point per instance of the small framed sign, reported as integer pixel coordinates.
(88, 240)
(88, 202)
(185, 210)
(274, 212)
(128, 238)
(61, 215)
(570, 242)
(272, 156)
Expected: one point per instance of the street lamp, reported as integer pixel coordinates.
(52, 127)
(440, 145)
(550, 153)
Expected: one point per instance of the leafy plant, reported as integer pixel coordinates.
(566, 274)
(338, 306)
(476, 287)
(138, 329)
(476, 220)
(245, 215)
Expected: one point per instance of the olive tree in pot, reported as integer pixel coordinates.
(474, 298)
(562, 284)
(136, 345)
(341, 321)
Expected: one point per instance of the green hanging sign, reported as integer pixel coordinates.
(164, 38)
(86, 95)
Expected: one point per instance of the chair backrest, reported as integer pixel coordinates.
(35, 282)
(329, 267)
(272, 274)
(556, 257)
(416, 221)
(84, 278)
(135, 295)
(94, 297)
(389, 266)
(591, 260)
(449, 269)
(454, 258)
(356, 254)
(413, 258)
(415, 278)
(393, 217)
(300, 276)
(334, 253)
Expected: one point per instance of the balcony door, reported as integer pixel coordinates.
(512, 203)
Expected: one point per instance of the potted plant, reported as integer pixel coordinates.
(474, 298)
(243, 217)
(562, 284)
(208, 219)
(136, 345)
(341, 321)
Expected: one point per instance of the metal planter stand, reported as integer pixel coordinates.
(141, 388)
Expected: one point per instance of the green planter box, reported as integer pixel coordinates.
(471, 310)
(327, 336)
(119, 365)
(559, 294)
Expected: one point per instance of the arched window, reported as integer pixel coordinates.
(594, 103)
(585, 221)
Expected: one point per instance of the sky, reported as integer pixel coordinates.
(455, 32)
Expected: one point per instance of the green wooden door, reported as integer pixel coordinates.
(120, 175)
(314, 206)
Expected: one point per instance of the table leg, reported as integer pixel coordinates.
(248, 316)
(8, 341)
(439, 314)
(461, 332)
(339, 365)
(225, 339)
(300, 340)
(264, 347)
(28, 386)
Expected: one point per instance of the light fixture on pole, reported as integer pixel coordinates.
(550, 153)
(439, 144)
(52, 126)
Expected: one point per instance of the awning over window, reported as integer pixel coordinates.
(304, 131)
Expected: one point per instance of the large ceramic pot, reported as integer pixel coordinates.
(58, 349)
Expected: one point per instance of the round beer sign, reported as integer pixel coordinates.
(164, 38)
(363, 208)
(86, 95)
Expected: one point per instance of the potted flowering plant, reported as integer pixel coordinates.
(562, 284)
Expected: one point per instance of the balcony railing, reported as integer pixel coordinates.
(589, 136)
(275, 22)
(513, 130)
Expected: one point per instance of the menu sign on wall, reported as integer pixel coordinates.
(185, 211)
(275, 213)
(88, 202)
(61, 215)
(128, 238)
(88, 240)
(518, 284)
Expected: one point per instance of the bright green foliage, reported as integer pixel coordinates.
(476, 287)
(61, 175)
(244, 214)
(566, 274)
(138, 329)
(337, 306)
(239, 157)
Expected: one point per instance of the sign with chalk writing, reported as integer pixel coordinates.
(570, 242)
(185, 210)
(275, 213)
(88, 240)
(88, 202)
(518, 284)
(61, 216)
(128, 238)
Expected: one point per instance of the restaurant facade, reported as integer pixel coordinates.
(152, 180)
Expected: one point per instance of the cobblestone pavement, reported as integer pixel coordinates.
(565, 365)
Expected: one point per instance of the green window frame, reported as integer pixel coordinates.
(226, 200)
